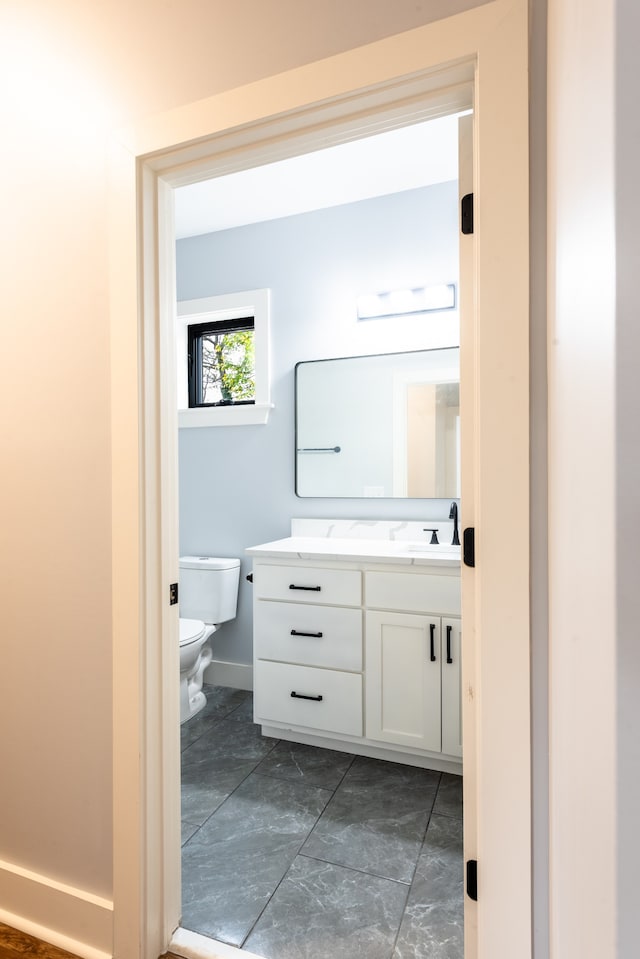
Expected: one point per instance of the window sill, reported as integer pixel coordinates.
(256, 415)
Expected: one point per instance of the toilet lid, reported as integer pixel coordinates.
(190, 630)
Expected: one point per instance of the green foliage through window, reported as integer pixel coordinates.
(222, 363)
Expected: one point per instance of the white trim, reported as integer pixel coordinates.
(69, 918)
(236, 675)
(284, 114)
(255, 415)
(191, 945)
(225, 307)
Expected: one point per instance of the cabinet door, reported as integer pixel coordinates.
(451, 687)
(403, 679)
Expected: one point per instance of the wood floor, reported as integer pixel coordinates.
(18, 945)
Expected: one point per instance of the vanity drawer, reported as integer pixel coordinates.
(338, 710)
(334, 634)
(413, 592)
(308, 584)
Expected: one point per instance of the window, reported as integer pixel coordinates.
(222, 362)
(222, 352)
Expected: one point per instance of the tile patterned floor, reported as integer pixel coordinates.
(295, 852)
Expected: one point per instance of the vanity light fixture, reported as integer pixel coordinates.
(425, 299)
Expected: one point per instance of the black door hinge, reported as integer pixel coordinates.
(173, 594)
(472, 879)
(466, 213)
(469, 546)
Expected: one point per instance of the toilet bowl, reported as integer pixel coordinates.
(208, 598)
(195, 656)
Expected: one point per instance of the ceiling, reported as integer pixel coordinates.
(403, 159)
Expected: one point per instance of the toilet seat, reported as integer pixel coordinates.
(191, 630)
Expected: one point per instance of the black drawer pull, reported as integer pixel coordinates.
(316, 699)
(296, 632)
(449, 659)
(315, 589)
(432, 641)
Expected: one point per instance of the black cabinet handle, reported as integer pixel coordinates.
(432, 639)
(316, 699)
(296, 632)
(449, 659)
(315, 589)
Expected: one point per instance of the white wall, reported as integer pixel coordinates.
(70, 74)
(590, 618)
(316, 265)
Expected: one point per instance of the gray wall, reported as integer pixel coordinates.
(237, 483)
(627, 507)
(539, 466)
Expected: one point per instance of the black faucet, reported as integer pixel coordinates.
(453, 514)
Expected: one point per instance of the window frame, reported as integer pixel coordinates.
(196, 332)
(216, 309)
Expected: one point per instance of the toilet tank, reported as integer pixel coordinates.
(209, 588)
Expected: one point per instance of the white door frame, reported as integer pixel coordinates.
(411, 76)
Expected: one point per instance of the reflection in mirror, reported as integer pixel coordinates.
(386, 425)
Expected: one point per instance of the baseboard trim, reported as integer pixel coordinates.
(69, 918)
(363, 747)
(236, 675)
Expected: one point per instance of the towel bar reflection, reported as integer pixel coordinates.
(319, 449)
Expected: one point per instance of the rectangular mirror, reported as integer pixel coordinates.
(385, 425)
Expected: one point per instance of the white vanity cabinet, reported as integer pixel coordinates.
(359, 655)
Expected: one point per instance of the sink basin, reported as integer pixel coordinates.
(447, 552)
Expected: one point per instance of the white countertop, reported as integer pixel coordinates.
(402, 552)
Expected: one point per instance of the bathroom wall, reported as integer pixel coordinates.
(237, 483)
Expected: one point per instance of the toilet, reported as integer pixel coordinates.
(208, 598)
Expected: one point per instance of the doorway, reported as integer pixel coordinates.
(399, 229)
(392, 75)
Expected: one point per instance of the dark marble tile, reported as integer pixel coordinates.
(221, 702)
(244, 712)
(216, 763)
(204, 787)
(376, 820)
(187, 830)
(323, 911)
(381, 775)
(308, 764)
(234, 863)
(432, 927)
(227, 740)
(449, 797)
